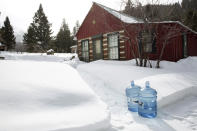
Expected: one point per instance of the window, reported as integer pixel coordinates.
(97, 49)
(148, 39)
(98, 46)
(113, 46)
(85, 50)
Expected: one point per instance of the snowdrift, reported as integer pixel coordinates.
(174, 82)
(42, 96)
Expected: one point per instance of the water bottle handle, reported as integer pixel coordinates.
(132, 83)
(147, 84)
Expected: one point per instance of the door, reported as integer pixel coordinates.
(97, 49)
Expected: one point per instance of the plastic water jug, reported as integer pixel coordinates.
(132, 94)
(147, 104)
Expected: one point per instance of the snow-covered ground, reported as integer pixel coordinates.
(174, 82)
(42, 96)
(40, 92)
(67, 58)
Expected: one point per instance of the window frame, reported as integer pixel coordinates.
(95, 38)
(118, 45)
(86, 59)
(152, 45)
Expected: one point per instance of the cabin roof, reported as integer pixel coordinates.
(122, 16)
(130, 19)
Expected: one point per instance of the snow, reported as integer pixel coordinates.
(74, 46)
(123, 17)
(57, 57)
(50, 50)
(182, 115)
(130, 19)
(173, 82)
(41, 96)
(40, 92)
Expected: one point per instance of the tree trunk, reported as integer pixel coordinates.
(133, 53)
(145, 60)
(141, 60)
(149, 62)
(161, 54)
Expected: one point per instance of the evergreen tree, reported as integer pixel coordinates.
(8, 35)
(29, 39)
(177, 12)
(0, 32)
(190, 8)
(129, 7)
(154, 12)
(76, 28)
(191, 19)
(189, 4)
(63, 38)
(42, 28)
(39, 31)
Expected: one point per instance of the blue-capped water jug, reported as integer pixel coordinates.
(132, 93)
(147, 104)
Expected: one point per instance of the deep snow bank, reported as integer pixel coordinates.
(40, 96)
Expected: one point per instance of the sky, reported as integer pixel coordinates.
(21, 12)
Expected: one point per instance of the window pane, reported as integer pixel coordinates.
(85, 52)
(98, 46)
(113, 40)
(148, 47)
(113, 46)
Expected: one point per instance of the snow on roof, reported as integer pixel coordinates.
(1, 44)
(123, 17)
(130, 19)
(50, 50)
(74, 46)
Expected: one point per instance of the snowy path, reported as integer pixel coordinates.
(109, 80)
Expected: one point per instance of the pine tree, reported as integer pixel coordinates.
(29, 39)
(63, 38)
(190, 8)
(191, 19)
(42, 28)
(76, 28)
(189, 4)
(39, 32)
(128, 7)
(8, 35)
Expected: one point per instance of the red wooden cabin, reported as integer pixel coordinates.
(105, 34)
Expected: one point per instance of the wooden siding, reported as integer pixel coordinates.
(192, 46)
(104, 22)
(99, 21)
(174, 48)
